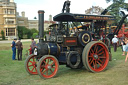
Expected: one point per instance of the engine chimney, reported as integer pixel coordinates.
(41, 25)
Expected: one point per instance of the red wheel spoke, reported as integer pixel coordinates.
(90, 56)
(44, 71)
(91, 62)
(99, 64)
(102, 57)
(100, 50)
(33, 69)
(95, 47)
(101, 53)
(95, 65)
(45, 62)
(30, 65)
(92, 51)
(31, 61)
(42, 66)
(52, 63)
(51, 70)
(47, 72)
(48, 61)
(100, 61)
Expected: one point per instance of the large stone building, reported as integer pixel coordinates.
(22, 20)
(8, 18)
(33, 24)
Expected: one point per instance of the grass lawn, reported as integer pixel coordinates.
(14, 73)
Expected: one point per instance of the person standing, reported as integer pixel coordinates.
(122, 39)
(123, 46)
(126, 50)
(33, 44)
(19, 47)
(114, 42)
(14, 49)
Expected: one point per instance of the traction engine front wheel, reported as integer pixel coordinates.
(47, 67)
(31, 64)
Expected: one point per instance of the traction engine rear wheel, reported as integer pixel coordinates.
(47, 67)
(31, 64)
(95, 56)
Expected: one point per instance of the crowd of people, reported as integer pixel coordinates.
(124, 43)
(19, 46)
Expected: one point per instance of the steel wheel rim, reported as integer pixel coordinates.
(98, 57)
(31, 65)
(49, 67)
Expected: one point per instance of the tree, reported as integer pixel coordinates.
(35, 35)
(113, 1)
(3, 36)
(24, 32)
(20, 31)
(34, 30)
(115, 8)
(94, 10)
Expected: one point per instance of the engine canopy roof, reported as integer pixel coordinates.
(81, 17)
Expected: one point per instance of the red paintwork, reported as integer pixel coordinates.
(31, 65)
(122, 32)
(100, 63)
(30, 51)
(49, 62)
(71, 41)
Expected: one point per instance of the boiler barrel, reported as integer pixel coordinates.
(48, 49)
(53, 49)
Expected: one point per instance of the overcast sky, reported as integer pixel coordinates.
(53, 7)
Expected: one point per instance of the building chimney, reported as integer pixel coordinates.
(23, 14)
(50, 17)
(41, 25)
(11, 0)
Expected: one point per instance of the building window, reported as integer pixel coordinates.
(9, 21)
(10, 32)
(9, 11)
(12, 11)
(5, 11)
(6, 32)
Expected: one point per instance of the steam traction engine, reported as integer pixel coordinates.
(70, 45)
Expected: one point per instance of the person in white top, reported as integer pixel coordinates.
(114, 42)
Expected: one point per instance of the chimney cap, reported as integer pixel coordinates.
(41, 11)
